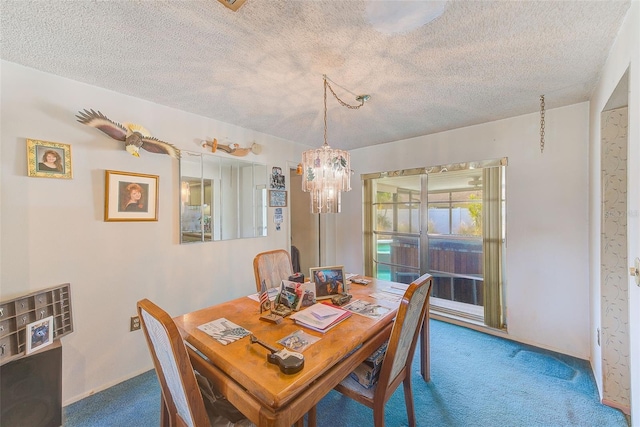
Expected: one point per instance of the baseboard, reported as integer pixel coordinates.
(624, 408)
(503, 333)
(104, 387)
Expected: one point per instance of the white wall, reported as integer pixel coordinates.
(624, 55)
(52, 231)
(547, 281)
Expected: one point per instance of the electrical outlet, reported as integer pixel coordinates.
(135, 323)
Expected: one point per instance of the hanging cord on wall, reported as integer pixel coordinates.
(541, 123)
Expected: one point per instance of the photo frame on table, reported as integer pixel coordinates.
(277, 198)
(329, 281)
(39, 334)
(48, 159)
(130, 196)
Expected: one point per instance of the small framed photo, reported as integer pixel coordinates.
(39, 334)
(277, 178)
(277, 198)
(130, 196)
(329, 281)
(48, 159)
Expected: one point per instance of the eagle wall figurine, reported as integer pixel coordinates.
(134, 136)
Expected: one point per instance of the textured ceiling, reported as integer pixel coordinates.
(261, 67)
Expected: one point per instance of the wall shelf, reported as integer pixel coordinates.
(17, 313)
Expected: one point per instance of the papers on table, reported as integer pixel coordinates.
(298, 341)
(320, 317)
(391, 295)
(224, 331)
(272, 292)
(356, 278)
(368, 309)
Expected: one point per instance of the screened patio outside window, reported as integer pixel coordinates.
(453, 229)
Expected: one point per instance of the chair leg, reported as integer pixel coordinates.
(164, 414)
(408, 401)
(378, 415)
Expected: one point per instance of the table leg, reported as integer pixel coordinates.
(311, 417)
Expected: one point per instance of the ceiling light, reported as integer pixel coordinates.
(327, 171)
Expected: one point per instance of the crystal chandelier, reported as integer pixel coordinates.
(327, 171)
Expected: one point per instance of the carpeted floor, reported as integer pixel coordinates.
(477, 380)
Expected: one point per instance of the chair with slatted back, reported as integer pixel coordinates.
(396, 365)
(272, 267)
(181, 393)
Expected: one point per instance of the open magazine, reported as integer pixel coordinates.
(224, 331)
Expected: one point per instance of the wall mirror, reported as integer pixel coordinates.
(221, 198)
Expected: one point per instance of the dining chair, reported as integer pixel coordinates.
(396, 365)
(272, 267)
(180, 384)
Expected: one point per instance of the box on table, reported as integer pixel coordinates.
(367, 372)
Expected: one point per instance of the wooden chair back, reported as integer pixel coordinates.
(404, 337)
(182, 398)
(396, 366)
(272, 267)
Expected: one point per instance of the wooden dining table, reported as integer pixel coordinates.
(264, 394)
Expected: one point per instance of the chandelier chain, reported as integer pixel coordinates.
(325, 110)
(344, 104)
(541, 123)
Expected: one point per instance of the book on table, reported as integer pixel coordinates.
(320, 317)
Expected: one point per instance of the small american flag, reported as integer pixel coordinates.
(264, 295)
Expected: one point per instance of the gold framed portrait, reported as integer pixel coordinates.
(130, 196)
(48, 159)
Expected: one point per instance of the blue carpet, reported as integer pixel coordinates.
(477, 380)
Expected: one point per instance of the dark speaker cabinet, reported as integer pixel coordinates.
(31, 389)
(31, 384)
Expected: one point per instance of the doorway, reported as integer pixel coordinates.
(614, 293)
(305, 226)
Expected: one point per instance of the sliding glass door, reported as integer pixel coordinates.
(441, 221)
(454, 235)
(397, 229)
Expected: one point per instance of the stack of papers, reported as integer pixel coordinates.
(320, 317)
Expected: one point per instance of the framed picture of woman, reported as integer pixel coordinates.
(48, 159)
(130, 196)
